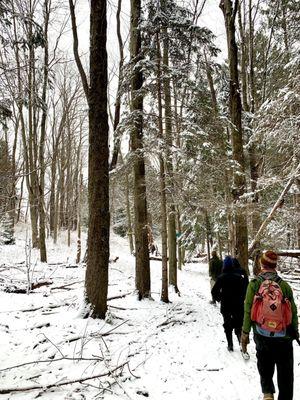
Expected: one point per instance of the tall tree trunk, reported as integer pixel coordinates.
(13, 197)
(235, 109)
(244, 58)
(180, 251)
(208, 236)
(79, 189)
(32, 181)
(117, 139)
(169, 158)
(252, 149)
(53, 193)
(68, 207)
(162, 183)
(96, 279)
(128, 213)
(56, 213)
(140, 200)
(41, 199)
(21, 193)
(297, 206)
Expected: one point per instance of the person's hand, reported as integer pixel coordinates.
(244, 341)
(296, 337)
(293, 333)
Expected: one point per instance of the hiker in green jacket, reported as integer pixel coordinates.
(272, 348)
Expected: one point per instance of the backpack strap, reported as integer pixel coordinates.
(261, 279)
(278, 279)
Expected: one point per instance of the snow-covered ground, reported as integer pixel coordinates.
(169, 351)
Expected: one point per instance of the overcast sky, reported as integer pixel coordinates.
(211, 17)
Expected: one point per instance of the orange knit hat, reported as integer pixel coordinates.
(269, 259)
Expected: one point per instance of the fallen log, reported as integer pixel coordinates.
(33, 286)
(289, 253)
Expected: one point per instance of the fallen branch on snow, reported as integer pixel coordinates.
(51, 361)
(57, 384)
(119, 296)
(65, 286)
(172, 321)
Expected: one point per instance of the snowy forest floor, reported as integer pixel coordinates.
(169, 351)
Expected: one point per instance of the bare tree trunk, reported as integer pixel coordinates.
(117, 139)
(13, 197)
(68, 186)
(219, 244)
(80, 180)
(140, 203)
(41, 199)
(179, 242)
(208, 236)
(21, 193)
(56, 214)
(239, 180)
(162, 184)
(253, 158)
(128, 214)
(169, 160)
(52, 195)
(297, 225)
(244, 58)
(96, 279)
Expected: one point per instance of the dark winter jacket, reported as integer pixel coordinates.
(253, 289)
(230, 289)
(215, 267)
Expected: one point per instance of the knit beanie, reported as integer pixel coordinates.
(227, 263)
(269, 259)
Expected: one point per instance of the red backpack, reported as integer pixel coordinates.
(270, 309)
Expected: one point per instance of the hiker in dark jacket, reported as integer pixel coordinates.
(215, 270)
(240, 270)
(272, 351)
(230, 289)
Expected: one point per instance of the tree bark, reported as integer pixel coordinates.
(128, 213)
(235, 110)
(169, 158)
(41, 199)
(162, 183)
(96, 279)
(140, 200)
(117, 139)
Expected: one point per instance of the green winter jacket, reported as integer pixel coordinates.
(252, 290)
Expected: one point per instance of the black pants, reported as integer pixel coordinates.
(271, 352)
(233, 320)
